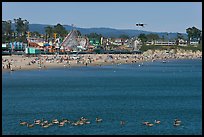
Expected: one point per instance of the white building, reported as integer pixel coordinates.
(182, 42)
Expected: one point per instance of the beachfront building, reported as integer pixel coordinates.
(94, 41)
(194, 43)
(135, 43)
(165, 43)
(16, 46)
(179, 42)
(161, 43)
(182, 42)
(119, 41)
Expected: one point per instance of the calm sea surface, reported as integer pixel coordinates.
(154, 90)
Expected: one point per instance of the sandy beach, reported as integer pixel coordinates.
(21, 62)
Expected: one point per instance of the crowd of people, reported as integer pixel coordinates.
(17, 62)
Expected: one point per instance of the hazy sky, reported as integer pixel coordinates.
(159, 16)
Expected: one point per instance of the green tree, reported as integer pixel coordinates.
(124, 36)
(22, 26)
(94, 36)
(6, 31)
(143, 38)
(152, 36)
(193, 33)
(35, 34)
(179, 36)
(60, 30)
(49, 32)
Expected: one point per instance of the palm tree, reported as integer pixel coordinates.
(49, 32)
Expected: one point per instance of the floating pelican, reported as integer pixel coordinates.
(61, 124)
(84, 119)
(145, 123)
(87, 122)
(23, 123)
(98, 120)
(45, 122)
(122, 122)
(46, 126)
(75, 124)
(157, 121)
(150, 125)
(65, 121)
(177, 121)
(37, 122)
(55, 121)
(176, 124)
(50, 124)
(30, 126)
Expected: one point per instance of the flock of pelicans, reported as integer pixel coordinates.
(177, 122)
(60, 123)
(82, 121)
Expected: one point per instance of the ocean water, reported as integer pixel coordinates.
(129, 92)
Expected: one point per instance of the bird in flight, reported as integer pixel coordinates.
(140, 24)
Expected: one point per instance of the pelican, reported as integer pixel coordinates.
(50, 124)
(80, 122)
(177, 121)
(45, 126)
(98, 120)
(176, 124)
(145, 123)
(84, 119)
(75, 124)
(23, 123)
(30, 126)
(61, 124)
(87, 122)
(150, 125)
(157, 121)
(45, 121)
(65, 120)
(122, 122)
(55, 121)
(37, 122)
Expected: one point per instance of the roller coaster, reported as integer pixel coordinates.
(72, 42)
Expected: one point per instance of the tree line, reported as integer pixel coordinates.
(192, 32)
(20, 33)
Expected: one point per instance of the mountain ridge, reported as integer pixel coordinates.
(106, 32)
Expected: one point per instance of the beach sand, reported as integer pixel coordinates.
(20, 62)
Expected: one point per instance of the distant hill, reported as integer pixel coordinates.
(107, 32)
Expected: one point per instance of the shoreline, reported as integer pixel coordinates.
(18, 63)
(74, 66)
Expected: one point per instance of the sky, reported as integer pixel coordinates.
(159, 16)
